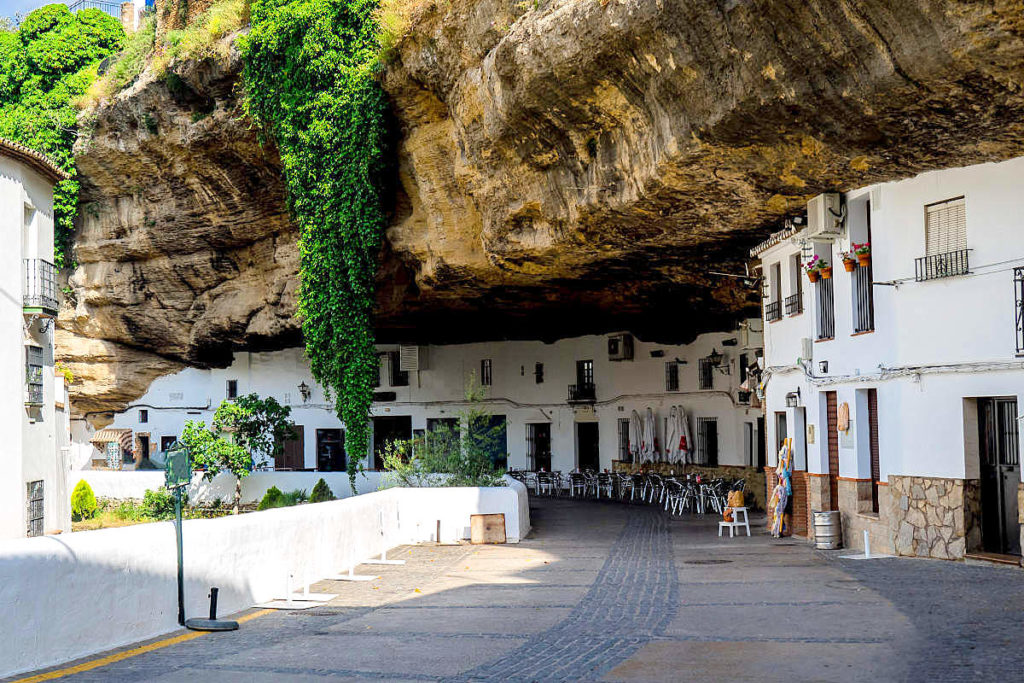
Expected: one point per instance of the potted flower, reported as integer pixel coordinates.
(863, 252)
(813, 268)
(826, 270)
(849, 260)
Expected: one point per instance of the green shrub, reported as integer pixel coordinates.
(321, 492)
(130, 511)
(159, 504)
(273, 498)
(83, 502)
(295, 497)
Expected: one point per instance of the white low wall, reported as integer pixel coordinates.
(72, 595)
(121, 485)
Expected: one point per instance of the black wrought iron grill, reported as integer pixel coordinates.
(111, 8)
(582, 393)
(795, 303)
(1018, 290)
(40, 284)
(864, 301)
(826, 309)
(773, 311)
(937, 266)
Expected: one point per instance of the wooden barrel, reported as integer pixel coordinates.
(828, 530)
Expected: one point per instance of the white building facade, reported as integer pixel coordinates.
(33, 474)
(921, 349)
(564, 405)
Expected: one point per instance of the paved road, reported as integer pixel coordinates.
(603, 591)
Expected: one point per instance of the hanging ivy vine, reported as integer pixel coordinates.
(310, 78)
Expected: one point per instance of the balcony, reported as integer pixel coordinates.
(937, 266)
(773, 311)
(795, 304)
(582, 393)
(40, 287)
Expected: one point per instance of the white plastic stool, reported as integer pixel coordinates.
(735, 522)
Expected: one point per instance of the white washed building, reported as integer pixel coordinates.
(33, 495)
(564, 405)
(923, 349)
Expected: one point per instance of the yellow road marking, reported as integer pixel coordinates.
(128, 654)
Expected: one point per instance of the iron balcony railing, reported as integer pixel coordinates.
(111, 8)
(864, 314)
(938, 266)
(582, 393)
(1018, 290)
(795, 303)
(826, 310)
(33, 394)
(773, 311)
(41, 285)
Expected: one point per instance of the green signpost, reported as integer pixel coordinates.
(178, 474)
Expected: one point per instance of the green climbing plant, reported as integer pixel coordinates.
(46, 65)
(311, 82)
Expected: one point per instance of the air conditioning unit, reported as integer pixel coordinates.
(825, 217)
(412, 358)
(620, 347)
(806, 349)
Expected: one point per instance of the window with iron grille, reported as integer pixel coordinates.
(624, 455)
(143, 416)
(34, 375)
(34, 508)
(826, 309)
(672, 376)
(231, 391)
(398, 377)
(485, 372)
(538, 373)
(705, 374)
(707, 441)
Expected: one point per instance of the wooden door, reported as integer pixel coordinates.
(587, 447)
(292, 452)
(833, 450)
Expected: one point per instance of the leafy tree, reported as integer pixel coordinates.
(46, 65)
(311, 79)
(259, 425)
(83, 501)
(247, 432)
(215, 454)
(444, 456)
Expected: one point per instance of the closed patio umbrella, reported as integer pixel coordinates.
(672, 436)
(650, 435)
(687, 454)
(636, 436)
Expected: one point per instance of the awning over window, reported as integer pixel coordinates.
(121, 436)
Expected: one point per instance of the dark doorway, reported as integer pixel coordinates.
(762, 459)
(386, 429)
(143, 447)
(832, 411)
(166, 442)
(330, 450)
(876, 468)
(998, 448)
(538, 446)
(292, 455)
(781, 429)
(587, 449)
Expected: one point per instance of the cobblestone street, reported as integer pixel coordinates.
(605, 591)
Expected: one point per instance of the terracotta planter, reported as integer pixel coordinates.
(864, 259)
(812, 275)
(850, 265)
(826, 273)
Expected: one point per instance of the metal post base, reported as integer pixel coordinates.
(211, 625)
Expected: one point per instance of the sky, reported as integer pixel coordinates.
(8, 8)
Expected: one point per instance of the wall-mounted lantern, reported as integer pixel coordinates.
(823, 367)
(304, 391)
(717, 362)
(793, 398)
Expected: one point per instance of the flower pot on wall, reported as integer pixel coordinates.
(864, 259)
(826, 273)
(812, 275)
(850, 265)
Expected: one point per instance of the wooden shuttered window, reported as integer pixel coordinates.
(945, 228)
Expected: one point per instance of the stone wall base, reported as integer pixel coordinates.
(858, 517)
(928, 516)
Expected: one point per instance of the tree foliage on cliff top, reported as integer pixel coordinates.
(45, 66)
(310, 82)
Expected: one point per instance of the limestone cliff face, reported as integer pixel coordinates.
(564, 167)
